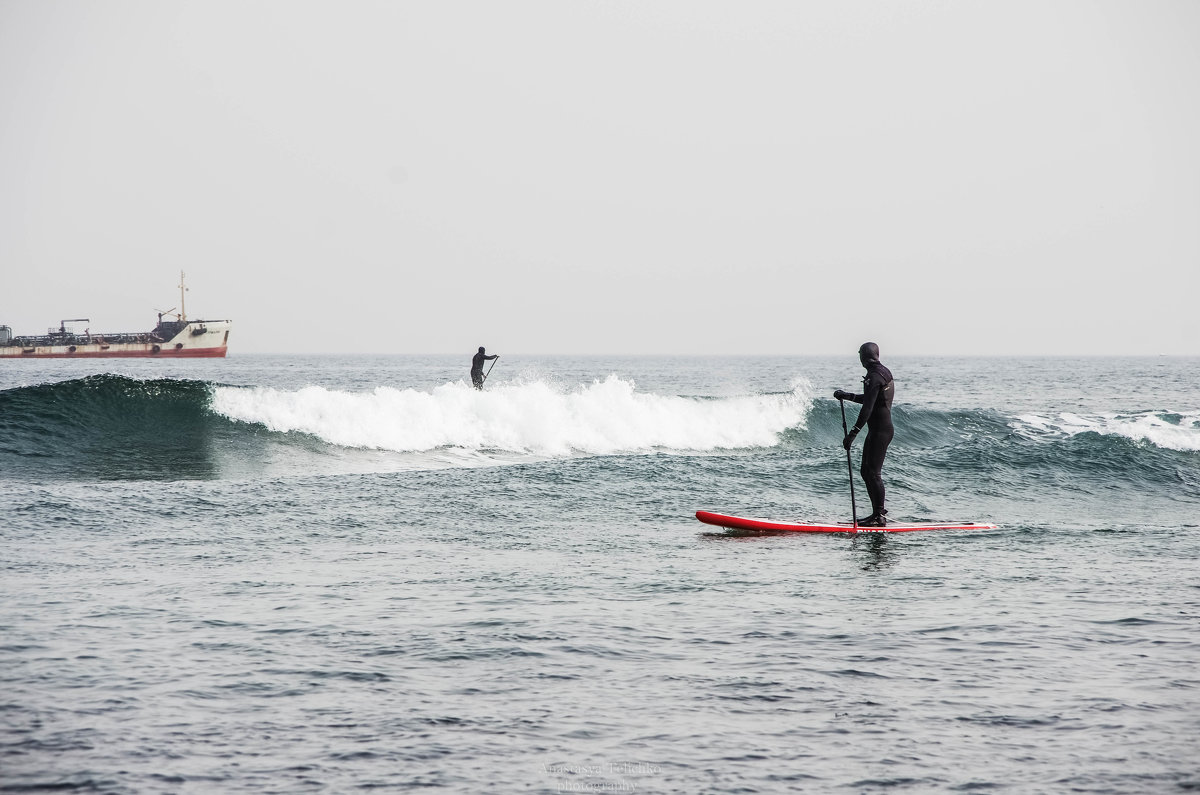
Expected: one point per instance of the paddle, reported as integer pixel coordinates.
(493, 364)
(849, 466)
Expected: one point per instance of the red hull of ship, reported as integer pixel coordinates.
(186, 353)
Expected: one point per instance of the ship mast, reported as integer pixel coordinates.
(182, 307)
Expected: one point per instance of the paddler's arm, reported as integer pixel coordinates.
(873, 384)
(862, 415)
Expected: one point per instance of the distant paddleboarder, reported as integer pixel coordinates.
(876, 414)
(477, 360)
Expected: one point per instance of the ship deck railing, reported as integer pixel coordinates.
(51, 340)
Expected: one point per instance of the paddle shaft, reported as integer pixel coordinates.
(493, 364)
(849, 466)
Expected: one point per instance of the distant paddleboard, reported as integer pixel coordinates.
(767, 525)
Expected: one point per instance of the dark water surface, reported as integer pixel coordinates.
(293, 574)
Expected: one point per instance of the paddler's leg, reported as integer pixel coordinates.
(874, 451)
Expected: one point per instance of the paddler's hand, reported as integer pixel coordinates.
(840, 395)
(849, 440)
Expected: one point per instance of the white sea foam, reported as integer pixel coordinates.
(1168, 431)
(533, 418)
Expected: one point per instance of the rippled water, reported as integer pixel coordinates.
(224, 607)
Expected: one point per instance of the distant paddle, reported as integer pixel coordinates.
(849, 466)
(493, 364)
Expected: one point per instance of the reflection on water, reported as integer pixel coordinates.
(743, 534)
(877, 552)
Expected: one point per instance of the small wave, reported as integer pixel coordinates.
(538, 418)
(1166, 430)
(107, 427)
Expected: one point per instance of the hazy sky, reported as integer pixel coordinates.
(608, 177)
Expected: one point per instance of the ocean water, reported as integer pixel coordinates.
(319, 574)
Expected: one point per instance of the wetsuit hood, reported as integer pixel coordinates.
(868, 353)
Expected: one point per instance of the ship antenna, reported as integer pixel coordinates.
(182, 306)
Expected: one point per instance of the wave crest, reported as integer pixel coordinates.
(604, 417)
(1166, 430)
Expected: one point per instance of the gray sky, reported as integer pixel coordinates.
(608, 177)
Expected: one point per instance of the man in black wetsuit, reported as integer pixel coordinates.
(477, 367)
(876, 413)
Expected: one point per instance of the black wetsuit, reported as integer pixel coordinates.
(477, 369)
(876, 413)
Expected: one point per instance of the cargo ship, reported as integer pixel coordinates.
(177, 338)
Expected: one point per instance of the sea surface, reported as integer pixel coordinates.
(336, 574)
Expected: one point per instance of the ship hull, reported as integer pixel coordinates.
(203, 339)
(111, 352)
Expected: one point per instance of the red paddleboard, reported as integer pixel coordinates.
(739, 523)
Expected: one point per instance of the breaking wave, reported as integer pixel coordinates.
(1167, 430)
(111, 427)
(605, 417)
